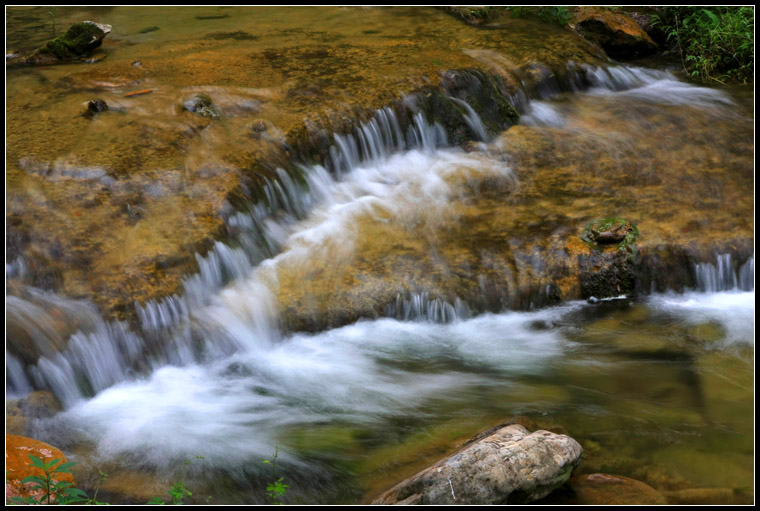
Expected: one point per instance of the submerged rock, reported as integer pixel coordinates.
(509, 465)
(97, 106)
(619, 35)
(38, 404)
(597, 489)
(710, 496)
(201, 105)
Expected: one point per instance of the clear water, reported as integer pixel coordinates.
(659, 389)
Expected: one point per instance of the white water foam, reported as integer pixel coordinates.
(232, 410)
(733, 310)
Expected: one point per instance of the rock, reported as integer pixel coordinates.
(17, 464)
(619, 35)
(97, 105)
(597, 489)
(149, 29)
(473, 15)
(611, 230)
(202, 105)
(709, 496)
(40, 403)
(646, 18)
(81, 38)
(509, 465)
(78, 40)
(606, 274)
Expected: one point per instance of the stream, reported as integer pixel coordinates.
(352, 323)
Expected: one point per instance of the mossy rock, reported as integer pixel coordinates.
(79, 39)
(610, 230)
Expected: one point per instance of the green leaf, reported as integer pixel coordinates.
(37, 462)
(64, 467)
(34, 479)
(75, 492)
(155, 501)
(715, 20)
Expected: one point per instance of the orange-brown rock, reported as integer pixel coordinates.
(18, 465)
(596, 489)
(619, 35)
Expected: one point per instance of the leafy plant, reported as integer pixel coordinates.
(715, 43)
(179, 490)
(557, 15)
(93, 500)
(53, 491)
(276, 489)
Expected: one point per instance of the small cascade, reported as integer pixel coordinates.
(17, 383)
(472, 119)
(16, 269)
(420, 307)
(712, 278)
(90, 362)
(747, 275)
(207, 321)
(377, 139)
(652, 85)
(66, 346)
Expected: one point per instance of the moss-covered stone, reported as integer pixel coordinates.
(80, 38)
(611, 230)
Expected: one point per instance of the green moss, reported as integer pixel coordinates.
(593, 229)
(77, 40)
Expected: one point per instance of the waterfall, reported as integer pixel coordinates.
(472, 119)
(207, 321)
(712, 278)
(419, 306)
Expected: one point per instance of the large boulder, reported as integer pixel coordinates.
(619, 35)
(508, 465)
(18, 465)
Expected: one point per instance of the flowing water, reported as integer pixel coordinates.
(658, 387)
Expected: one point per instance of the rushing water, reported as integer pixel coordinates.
(659, 388)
